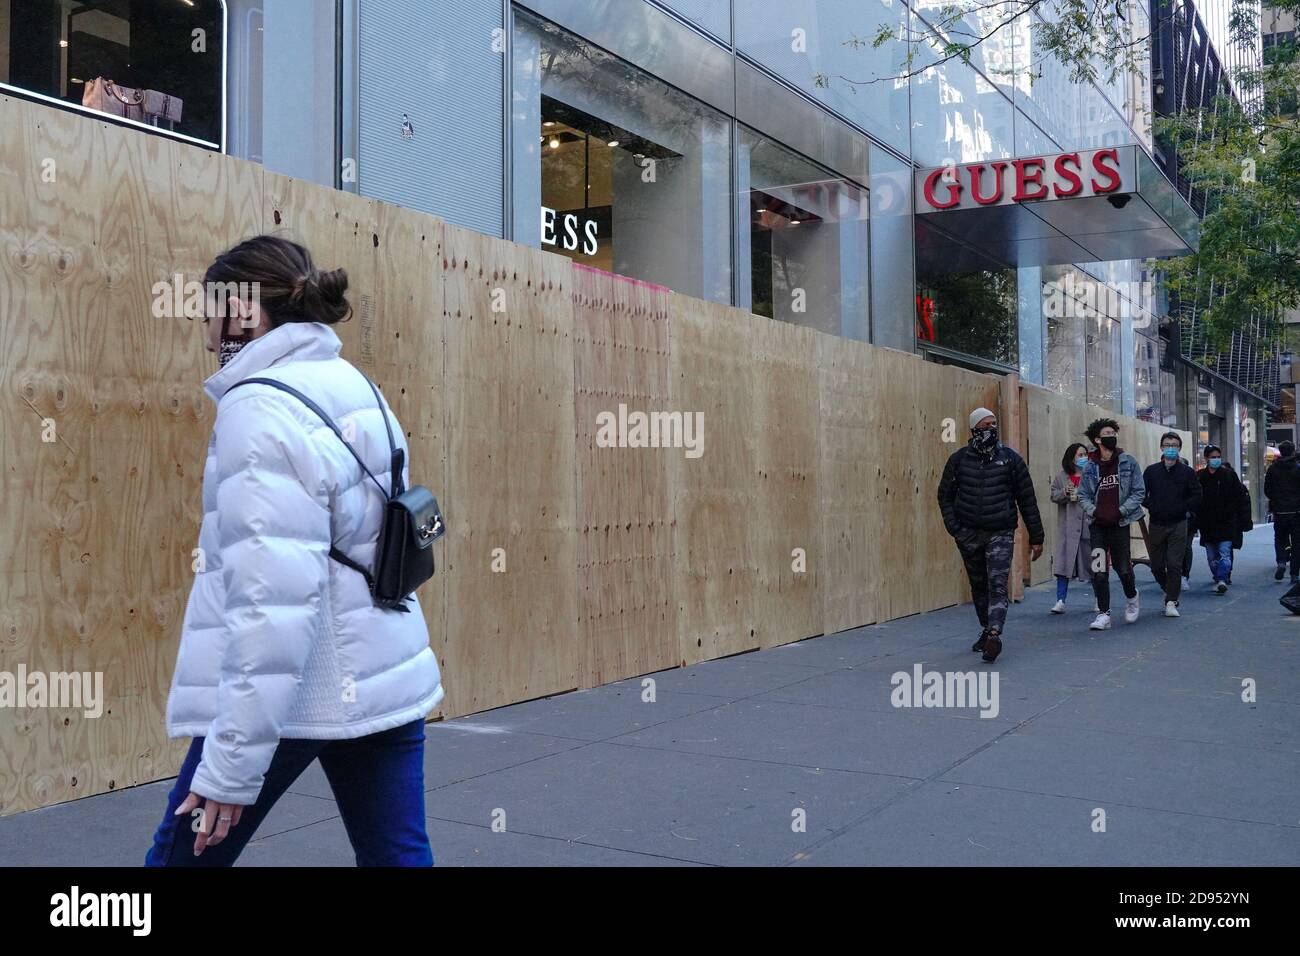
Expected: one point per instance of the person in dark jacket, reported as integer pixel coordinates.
(983, 485)
(1110, 493)
(1282, 488)
(1223, 517)
(1173, 493)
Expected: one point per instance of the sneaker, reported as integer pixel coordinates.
(1277, 574)
(983, 639)
(993, 647)
(1101, 623)
(1220, 587)
(1058, 607)
(1131, 611)
(1171, 609)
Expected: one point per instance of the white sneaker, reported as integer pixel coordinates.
(1100, 623)
(1171, 609)
(1220, 587)
(1131, 611)
(1058, 607)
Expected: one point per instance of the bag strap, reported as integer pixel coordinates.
(275, 383)
(396, 455)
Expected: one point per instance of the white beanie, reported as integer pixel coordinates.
(980, 414)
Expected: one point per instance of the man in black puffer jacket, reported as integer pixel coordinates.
(1282, 488)
(983, 484)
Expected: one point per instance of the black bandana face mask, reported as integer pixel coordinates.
(984, 438)
(230, 346)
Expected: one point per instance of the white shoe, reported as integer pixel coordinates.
(1220, 587)
(1100, 623)
(1131, 611)
(1058, 607)
(1171, 609)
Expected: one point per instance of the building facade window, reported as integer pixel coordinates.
(803, 236)
(615, 168)
(153, 63)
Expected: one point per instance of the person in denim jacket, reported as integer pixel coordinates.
(1111, 493)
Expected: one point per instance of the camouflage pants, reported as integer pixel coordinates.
(987, 556)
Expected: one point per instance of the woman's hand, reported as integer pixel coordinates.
(215, 819)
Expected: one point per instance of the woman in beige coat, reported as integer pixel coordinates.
(1071, 558)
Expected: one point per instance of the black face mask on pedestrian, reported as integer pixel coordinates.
(1108, 442)
(984, 438)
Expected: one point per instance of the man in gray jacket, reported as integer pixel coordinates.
(1110, 493)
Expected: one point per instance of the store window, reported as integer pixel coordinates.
(157, 63)
(803, 241)
(614, 168)
(1147, 378)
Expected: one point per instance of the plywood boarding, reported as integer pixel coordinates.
(716, 494)
(395, 334)
(627, 609)
(846, 484)
(97, 525)
(783, 523)
(511, 635)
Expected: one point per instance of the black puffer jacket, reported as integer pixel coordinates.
(1224, 513)
(982, 493)
(1282, 486)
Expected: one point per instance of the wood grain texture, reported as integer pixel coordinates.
(627, 609)
(783, 524)
(97, 526)
(509, 393)
(717, 579)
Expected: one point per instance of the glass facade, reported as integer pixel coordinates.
(695, 144)
(150, 62)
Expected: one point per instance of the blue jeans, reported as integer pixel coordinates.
(1220, 558)
(1062, 587)
(378, 781)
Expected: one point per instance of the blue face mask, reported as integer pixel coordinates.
(1080, 463)
(1170, 453)
(1216, 462)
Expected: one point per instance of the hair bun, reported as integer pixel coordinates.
(332, 284)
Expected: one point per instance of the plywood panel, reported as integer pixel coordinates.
(509, 390)
(717, 577)
(783, 524)
(847, 486)
(627, 610)
(395, 334)
(97, 525)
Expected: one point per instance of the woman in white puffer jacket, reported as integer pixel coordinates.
(284, 656)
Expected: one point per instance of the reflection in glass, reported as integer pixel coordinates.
(806, 240)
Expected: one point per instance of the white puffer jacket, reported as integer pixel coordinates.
(279, 640)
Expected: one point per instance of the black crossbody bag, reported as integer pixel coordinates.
(412, 522)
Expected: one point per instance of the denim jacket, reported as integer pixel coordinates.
(1131, 489)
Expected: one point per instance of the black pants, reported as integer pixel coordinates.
(1114, 540)
(987, 556)
(1286, 540)
(1168, 547)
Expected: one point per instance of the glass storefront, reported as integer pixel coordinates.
(159, 63)
(804, 239)
(617, 169)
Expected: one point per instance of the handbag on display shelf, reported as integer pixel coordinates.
(107, 97)
(162, 106)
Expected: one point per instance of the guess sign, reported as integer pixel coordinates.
(999, 182)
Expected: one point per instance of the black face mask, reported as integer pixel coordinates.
(1109, 442)
(984, 437)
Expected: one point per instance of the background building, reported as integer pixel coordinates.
(757, 152)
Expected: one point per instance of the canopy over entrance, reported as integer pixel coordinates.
(1084, 206)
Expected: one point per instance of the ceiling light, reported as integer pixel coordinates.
(549, 123)
(63, 43)
(613, 143)
(555, 143)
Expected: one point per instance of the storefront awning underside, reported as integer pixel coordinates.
(1148, 220)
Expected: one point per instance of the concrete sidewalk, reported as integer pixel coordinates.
(1145, 722)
